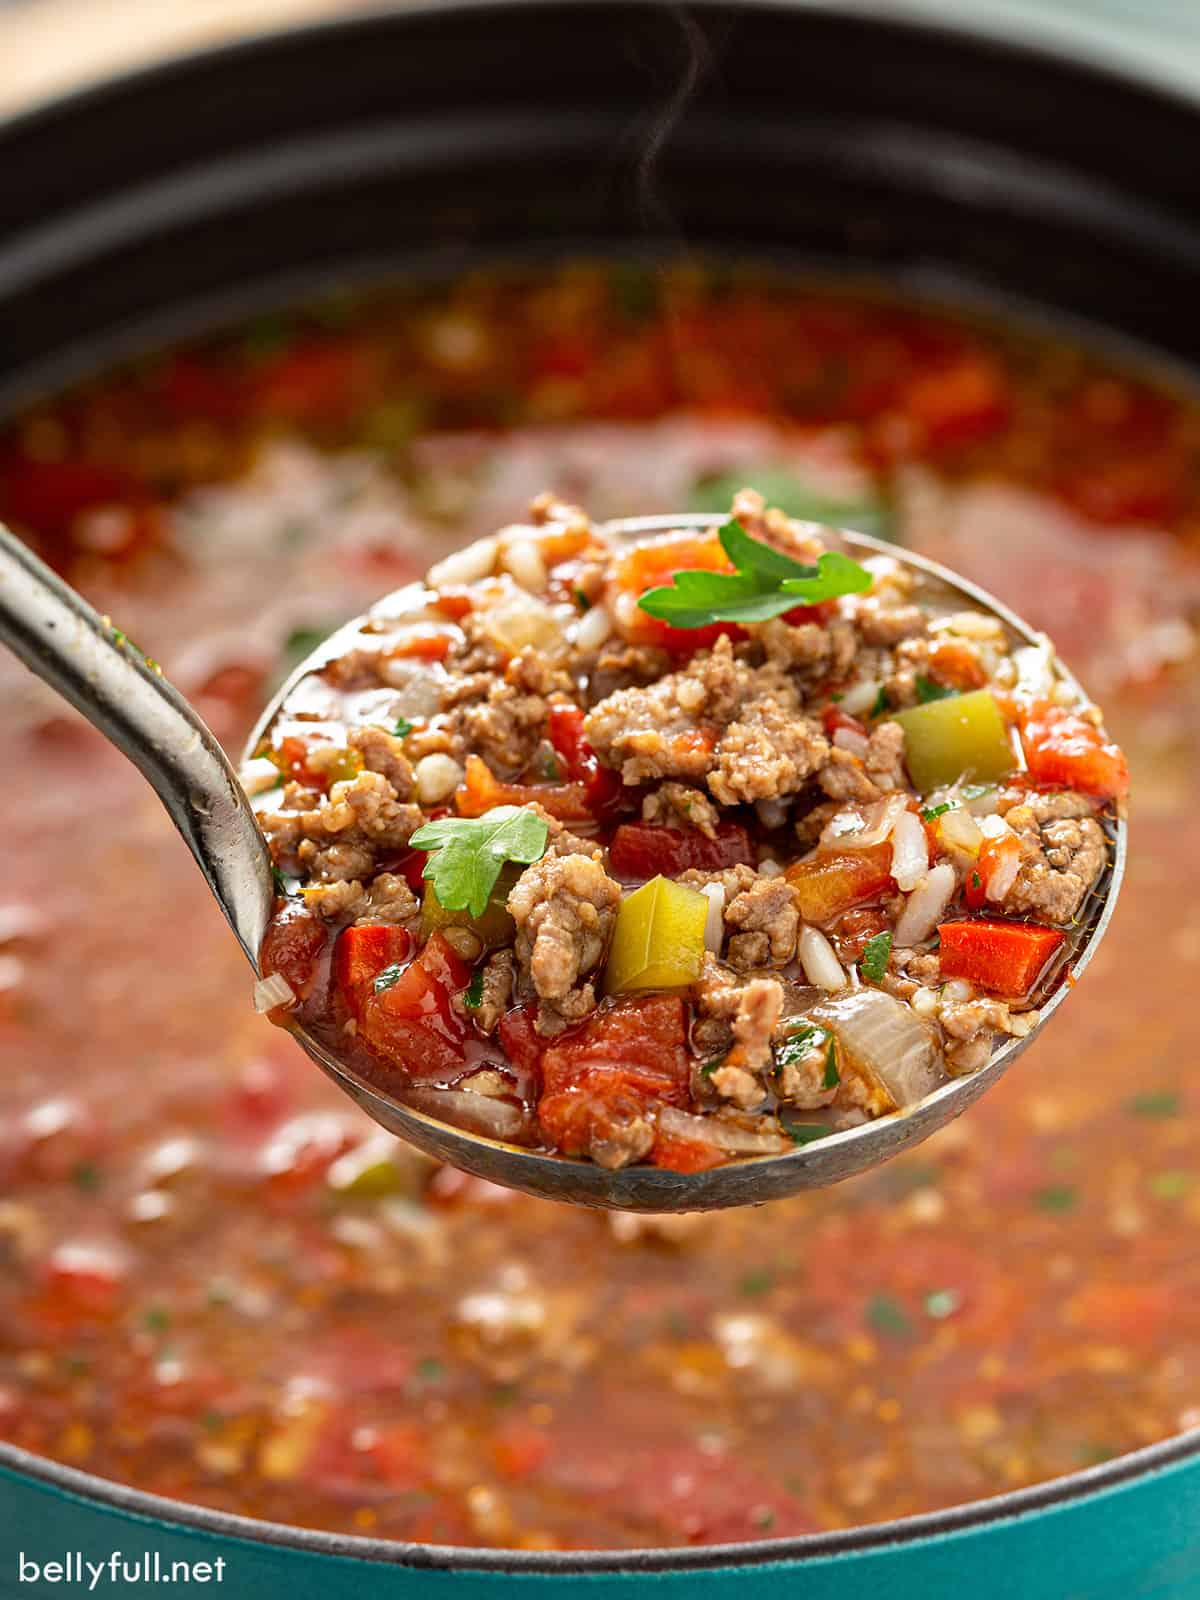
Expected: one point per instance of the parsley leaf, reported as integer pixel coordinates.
(832, 1076)
(403, 727)
(875, 956)
(928, 690)
(799, 1042)
(467, 854)
(766, 584)
(806, 1132)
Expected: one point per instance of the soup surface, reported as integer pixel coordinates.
(220, 1283)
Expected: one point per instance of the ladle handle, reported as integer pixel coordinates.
(90, 663)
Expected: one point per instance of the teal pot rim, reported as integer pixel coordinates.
(1057, 1494)
(1100, 58)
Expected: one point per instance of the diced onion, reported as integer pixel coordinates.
(858, 830)
(258, 775)
(960, 831)
(820, 964)
(860, 697)
(735, 1138)
(884, 1038)
(910, 851)
(1006, 866)
(494, 1119)
(714, 922)
(593, 628)
(1035, 669)
(523, 559)
(926, 905)
(468, 565)
(850, 739)
(994, 826)
(273, 991)
(522, 619)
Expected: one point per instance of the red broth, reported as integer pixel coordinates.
(219, 1285)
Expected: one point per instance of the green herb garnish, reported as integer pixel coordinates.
(1156, 1103)
(928, 690)
(430, 1369)
(875, 955)
(888, 1316)
(932, 813)
(759, 1281)
(1170, 1185)
(1056, 1198)
(156, 1319)
(549, 767)
(808, 1036)
(976, 881)
(882, 704)
(975, 791)
(281, 883)
(806, 1132)
(581, 600)
(301, 642)
(388, 977)
(403, 728)
(467, 854)
(474, 994)
(766, 584)
(86, 1175)
(709, 1067)
(832, 1076)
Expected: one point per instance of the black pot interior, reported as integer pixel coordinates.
(397, 141)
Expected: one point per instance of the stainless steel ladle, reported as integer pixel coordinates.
(63, 640)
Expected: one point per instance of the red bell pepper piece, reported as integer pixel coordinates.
(1063, 750)
(651, 566)
(1004, 957)
(829, 883)
(482, 790)
(644, 849)
(602, 786)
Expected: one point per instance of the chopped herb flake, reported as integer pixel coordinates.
(467, 854)
(1056, 1198)
(882, 705)
(474, 994)
(759, 1281)
(928, 690)
(806, 1132)
(975, 791)
(430, 1369)
(581, 600)
(932, 813)
(156, 1319)
(403, 727)
(709, 1067)
(388, 977)
(87, 1176)
(875, 957)
(832, 1076)
(808, 1036)
(1170, 1185)
(888, 1316)
(1156, 1103)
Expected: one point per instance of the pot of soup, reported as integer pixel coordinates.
(286, 323)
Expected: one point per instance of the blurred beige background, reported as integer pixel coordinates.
(50, 45)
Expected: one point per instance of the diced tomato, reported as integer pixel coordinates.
(603, 787)
(315, 382)
(411, 867)
(605, 1074)
(1063, 750)
(400, 1455)
(412, 1023)
(854, 929)
(955, 664)
(453, 603)
(1134, 1313)
(963, 402)
(424, 646)
(523, 1044)
(191, 387)
(1005, 957)
(361, 954)
(829, 883)
(47, 496)
(292, 757)
(482, 790)
(820, 613)
(684, 1155)
(519, 1448)
(293, 945)
(993, 855)
(650, 566)
(645, 849)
